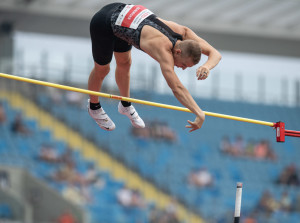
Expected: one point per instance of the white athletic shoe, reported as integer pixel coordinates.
(101, 118)
(132, 114)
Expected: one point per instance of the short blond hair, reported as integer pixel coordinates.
(192, 49)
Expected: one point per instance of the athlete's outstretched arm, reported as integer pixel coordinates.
(166, 62)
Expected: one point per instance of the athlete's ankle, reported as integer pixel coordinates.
(126, 103)
(95, 106)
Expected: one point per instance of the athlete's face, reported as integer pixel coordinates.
(182, 62)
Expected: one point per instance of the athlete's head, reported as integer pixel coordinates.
(186, 53)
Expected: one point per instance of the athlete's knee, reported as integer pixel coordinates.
(124, 62)
(101, 70)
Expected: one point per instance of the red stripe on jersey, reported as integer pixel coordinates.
(129, 17)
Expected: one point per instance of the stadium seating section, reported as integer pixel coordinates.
(167, 164)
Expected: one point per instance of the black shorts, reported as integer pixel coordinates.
(104, 42)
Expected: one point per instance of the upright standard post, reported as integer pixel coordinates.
(238, 200)
(280, 131)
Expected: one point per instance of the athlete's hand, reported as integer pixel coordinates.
(197, 124)
(202, 73)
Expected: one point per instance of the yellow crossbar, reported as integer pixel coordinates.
(104, 95)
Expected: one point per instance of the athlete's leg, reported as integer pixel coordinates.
(95, 110)
(103, 42)
(96, 78)
(123, 61)
(102, 48)
(102, 39)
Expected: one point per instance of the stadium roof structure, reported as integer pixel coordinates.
(262, 26)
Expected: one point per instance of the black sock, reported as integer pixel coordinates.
(126, 103)
(95, 106)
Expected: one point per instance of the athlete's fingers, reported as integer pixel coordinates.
(189, 126)
(199, 72)
(192, 130)
(202, 73)
(190, 122)
(204, 77)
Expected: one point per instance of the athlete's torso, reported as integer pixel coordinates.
(127, 22)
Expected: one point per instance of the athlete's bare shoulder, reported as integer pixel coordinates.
(174, 26)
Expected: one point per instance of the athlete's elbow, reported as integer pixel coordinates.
(218, 55)
(186, 32)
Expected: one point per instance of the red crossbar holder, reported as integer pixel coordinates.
(281, 132)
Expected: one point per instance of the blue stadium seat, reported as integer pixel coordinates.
(5, 211)
(169, 164)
